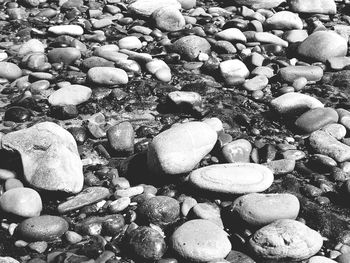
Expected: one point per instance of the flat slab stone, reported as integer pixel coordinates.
(234, 178)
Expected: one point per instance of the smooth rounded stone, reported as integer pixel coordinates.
(291, 73)
(231, 35)
(263, 209)
(286, 239)
(191, 46)
(31, 46)
(338, 63)
(280, 167)
(107, 76)
(8, 260)
(70, 95)
(179, 149)
(209, 212)
(130, 42)
(324, 143)
(17, 114)
(259, 82)
(95, 61)
(323, 45)
(39, 86)
(344, 117)
(336, 130)
(295, 155)
(291, 102)
(185, 98)
(266, 37)
(36, 61)
(238, 257)
(13, 183)
(168, 18)
(49, 156)
(66, 55)
(237, 151)
(24, 202)
(295, 35)
(129, 192)
(72, 30)
(121, 138)
(42, 228)
(263, 70)
(320, 259)
(6, 174)
(147, 7)
(9, 71)
(200, 240)
(233, 178)
(313, 6)
(233, 71)
(284, 20)
(187, 204)
(160, 69)
(187, 4)
(343, 258)
(88, 196)
(159, 210)
(215, 123)
(119, 205)
(146, 243)
(315, 119)
(72, 237)
(259, 4)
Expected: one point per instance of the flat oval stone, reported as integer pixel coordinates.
(42, 228)
(130, 42)
(263, 209)
(237, 151)
(88, 196)
(291, 73)
(9, 71)
(286, 239)
(24, 202)
(234, 178)
(315, 119)
(200, 240)
(66, 55)
(107, 76)
(72, 30)
(70, 95)
(17, 114)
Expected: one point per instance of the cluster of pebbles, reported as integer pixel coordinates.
(174, 131)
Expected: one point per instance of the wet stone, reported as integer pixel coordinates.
(17, 114)
(191, 46)
(66, 55)
(9, 71)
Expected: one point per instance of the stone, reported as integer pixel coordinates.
(233, 71)
(65, 55)
(323, 45)
(321, 259)
(6, 174)
(159, 210)
(238, 257)
(160, 69)
(280, 167)
(266, 37)
(189, 47)
(119, 205)
(8, 260)
(185, 100)
(88, 196)
(121, 138)
(338, 63)
(313, 6)
(187, 204)
(70, 95)
(17, 114)
(129, 42)
(72, 30)
(147, 7)
(113, 225)
(295, 35)
(24, 202)
(9, 71)
(107, 76)
(263, 209)
(13, 183)
(336, 130)
(343, 258)
(95, 61)
(208, 211)
(324, 143)
(31, 46)
(231, 35)
(258, 82)
(233, 178)
(291, 73)
(49, 156)
(257, 4)
(187, 4)
(286, 239)
(146, 243)
(200, 240)
(168, 18)
(292, 102)
(284, 20)
(179, 149)
(237, 151)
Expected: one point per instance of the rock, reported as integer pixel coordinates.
(113, 225)
(159, 210)
(200, 240)
(321, 259)
(338, 63)
(180, 148)
(107, 76)
(70, 95)
(36, 61)
(293, 36)
(191, 46)
(291, 102)
(238, 257)
(146, 243)
(31, 46)
(231, 35)
(237, 151)
(88, 196)
(233, 178)
(13, 183)
(343, 258)
(130, 42)
(95, 61)
(160, 69)
(315, 119)
(286, 239)
(121, 138)
(323, 45)
(9, 71)
(119, 205)
(24, 202)
(168, 18)
(313, 6)
(233, 71)
(324, 143)
(187, 204)
(185, 100)
(279, 167)
(284, 20)
(266, 37)
(187, 4)
(208, 211)
(42, 228)
(65, 55)
(6, 174)
(72, 30)
(8, 260)
(49, 156)
(336, 130)
(291, 73)
(147, 7)
(17, 114)
(259, 82)
(263, 209)
(257, 4)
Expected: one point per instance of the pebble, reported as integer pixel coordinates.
(263, 209)
(24, 202)
(295, 35)
(200, 240)
(9, 71)
(314, 6)
(237, 151)
(207, 211)
(336, 130)
(189, 47)
(248, 178)
(129, 192)
(258, 82)
(284, 20)
(31, 46)
(66, 55)
(234, 71)
(320, 259)
(168, 18)
(266, 37)
(343, 258)
(231, 35)
(187, 204)
(119, 205)
(70, 95)
(280, 167)
(257, 4)
(147, 7)
(72, 30)
(292, 73)
(286, 239)
(8, 260)
(338, 63)
(107, 76)
(121, 138)
(17, 114)
(130, 42)
(13, 183)
(160, 69)
(180, 148)
(7, 174)
(72, 237)
(42, 228)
